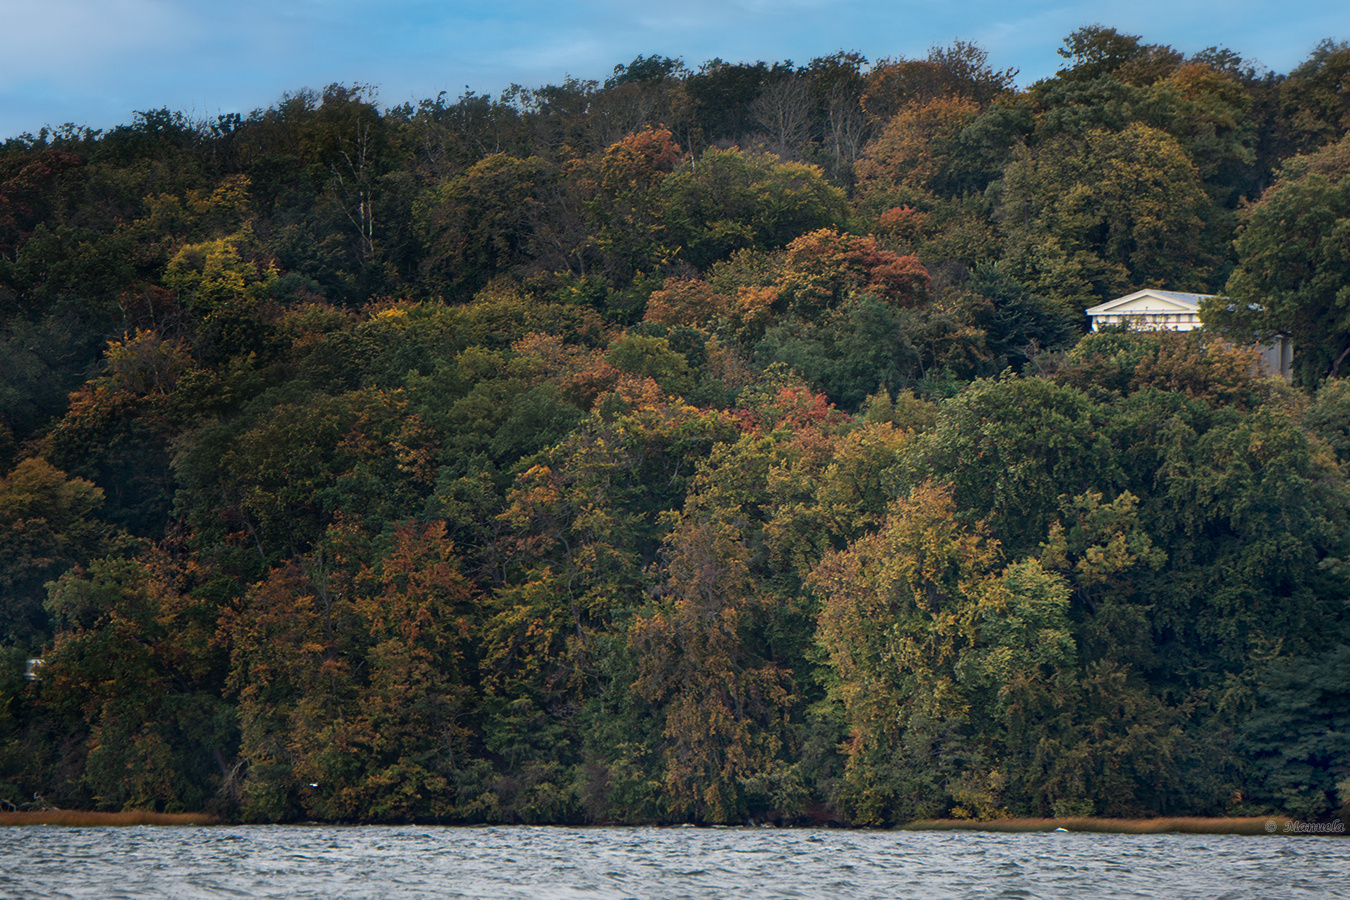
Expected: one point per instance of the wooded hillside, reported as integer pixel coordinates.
(707, 445)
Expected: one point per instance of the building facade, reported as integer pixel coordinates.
(1154, 310)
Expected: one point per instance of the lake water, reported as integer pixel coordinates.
(656, 863)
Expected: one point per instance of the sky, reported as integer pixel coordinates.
(93, 63)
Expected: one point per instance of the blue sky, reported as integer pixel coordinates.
(94, 62)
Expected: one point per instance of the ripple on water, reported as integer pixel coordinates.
(655, 864)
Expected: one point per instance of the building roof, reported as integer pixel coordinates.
(1150, 301)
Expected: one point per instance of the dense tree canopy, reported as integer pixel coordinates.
(1293, 273)
(711, 444)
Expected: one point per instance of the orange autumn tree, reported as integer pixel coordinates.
(740, 312)
(817, 272)
(355, 667)
(629, 228)
(135, 677)
(924, 175)
(824, 268)
(581, 528)
(915, 154)
(724, 707)
(723, 648)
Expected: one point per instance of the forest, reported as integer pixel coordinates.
(714, 445)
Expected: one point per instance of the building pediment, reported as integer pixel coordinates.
(1150, 302)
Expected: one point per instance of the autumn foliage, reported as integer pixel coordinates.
(712, 446)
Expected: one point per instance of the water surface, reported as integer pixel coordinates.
(656, 864)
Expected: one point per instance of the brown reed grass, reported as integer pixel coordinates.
(76, 818)
(1254, 825)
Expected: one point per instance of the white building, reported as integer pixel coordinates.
(1154, 310)
(1150, 310)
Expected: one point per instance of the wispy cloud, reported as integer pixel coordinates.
(66, 40)
(94, 61)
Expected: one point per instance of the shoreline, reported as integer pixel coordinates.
(1242, 825)
(77, 818)
(1238, 825)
